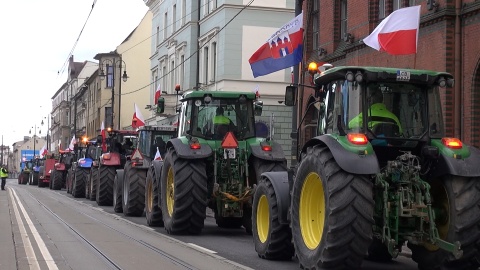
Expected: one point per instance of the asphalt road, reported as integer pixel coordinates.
(79, 234)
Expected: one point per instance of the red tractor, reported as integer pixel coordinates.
(59, 173)
(45, 171)
(115, 158)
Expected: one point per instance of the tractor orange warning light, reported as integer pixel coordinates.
(229, 141)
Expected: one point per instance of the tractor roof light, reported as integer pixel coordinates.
(452, 143)
(312, 68)
(357, 138)
(450, 82)
(349, 76)
(359, 77)
(442, 82)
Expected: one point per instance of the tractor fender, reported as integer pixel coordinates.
(348, 161)
(157, 167)
(184, 150)
(112, 160)
(467, 167)
(280, 185)
(276, 154)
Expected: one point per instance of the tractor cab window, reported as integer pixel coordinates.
(435, 113)
(215, 119)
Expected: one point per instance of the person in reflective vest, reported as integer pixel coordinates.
(3, 175)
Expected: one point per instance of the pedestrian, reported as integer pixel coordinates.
(3, 175)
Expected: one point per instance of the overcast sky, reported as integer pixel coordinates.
(36, 40)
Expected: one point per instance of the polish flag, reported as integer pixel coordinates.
(43, 152)
(158, 93)
(397, 34)
(256, 90)
(157, 155)
(104, 136)
(137, 120)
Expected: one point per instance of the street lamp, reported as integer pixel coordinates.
(35, 134)
(110, 68)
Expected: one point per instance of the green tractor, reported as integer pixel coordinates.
(214, 162)
(130, 181)
(366, 186)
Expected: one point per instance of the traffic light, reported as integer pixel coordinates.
(160, 105)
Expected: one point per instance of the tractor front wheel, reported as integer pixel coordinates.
(273, 240)
(57, 180)
(332, 213)
(457, 201)
(184, 194)
(153, 211)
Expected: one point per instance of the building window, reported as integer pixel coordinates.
(165, 25)
(205, 64)
(164, 80)
(181, 73)
(315, 28)
(174, 18)
(381, 9)
(157, 38)
(214, 62)
(396, 4)
(109, 82)
(172, 75)
(343, 18)
(184, 11)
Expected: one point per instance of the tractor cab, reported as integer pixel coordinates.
(212, 117)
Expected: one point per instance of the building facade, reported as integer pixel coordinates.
(206, 45)
(447, 40)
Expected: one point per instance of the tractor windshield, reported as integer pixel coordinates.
(394, 110)
(215, 119)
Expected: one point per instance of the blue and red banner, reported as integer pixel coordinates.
(282, 50)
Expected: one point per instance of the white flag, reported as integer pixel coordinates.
(72, 142)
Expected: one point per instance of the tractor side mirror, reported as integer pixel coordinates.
(160, 105)
(290, 95)
(258, 104)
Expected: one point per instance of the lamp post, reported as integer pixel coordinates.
(110, 66)
(34, 135)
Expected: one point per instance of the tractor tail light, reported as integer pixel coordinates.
(452, 143)
(195, 145)
(357, 138)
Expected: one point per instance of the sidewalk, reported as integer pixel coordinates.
(7, 246)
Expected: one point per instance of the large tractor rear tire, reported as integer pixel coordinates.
(331, 213)
(78, 189)
(104, 196)
(57, 180)
(273, 240)
(184, 194)
(133, 199)
(458, 202)
(92, 187)
(69, 181)
(153, 212)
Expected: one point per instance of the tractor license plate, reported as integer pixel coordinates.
(229, 153)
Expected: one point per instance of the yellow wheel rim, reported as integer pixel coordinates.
(170, 191)
(442, 220)
(149, 196)
(263, 219)
(312, 211)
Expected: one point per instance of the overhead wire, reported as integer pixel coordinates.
(60, 72)
(193, 54)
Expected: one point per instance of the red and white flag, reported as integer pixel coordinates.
(104, 137)
(72, 143)
(158, 93)
(137, 120)
(43, 152)
(397, 34)
(157, 155)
